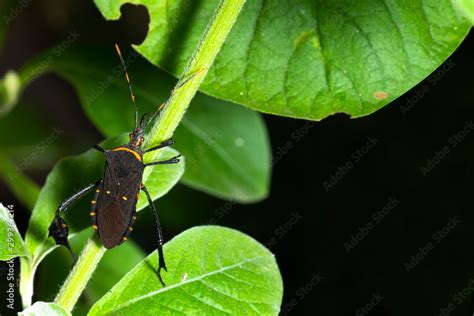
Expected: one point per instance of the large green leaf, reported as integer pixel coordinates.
(45, 309)
(73, 173)
(307, 58)
(12, 244)
(227, 146)
(212, 271)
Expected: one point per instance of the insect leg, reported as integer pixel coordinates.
(165, 143)
(58, 228)
(184, 81)
(175, 159)
(99, 148)
(160, 240)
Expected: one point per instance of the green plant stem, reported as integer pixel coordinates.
(194, 74)
(173, 112)
(80, 274)
(26, 281)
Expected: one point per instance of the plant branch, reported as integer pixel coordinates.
(173, 112)
(80, 274)
(194, 74)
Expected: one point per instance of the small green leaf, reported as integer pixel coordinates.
(226, 146)
(466, 7)
(72, 174)
(307, 58)
(12, 244)
(212, 271)
(45, 309)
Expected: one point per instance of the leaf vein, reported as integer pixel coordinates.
(228, 295)
(203, 301)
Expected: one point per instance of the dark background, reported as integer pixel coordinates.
(306, 224)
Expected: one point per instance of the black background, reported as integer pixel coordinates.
(305, 225)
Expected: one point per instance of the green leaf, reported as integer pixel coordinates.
(45, 309)
(226, 146)
(212, 271)
(227, 151)
(466, 7)
(307, 58)
(12, 244)
(72, 174)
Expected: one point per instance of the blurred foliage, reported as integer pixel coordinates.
(6, 7)
(24, 189)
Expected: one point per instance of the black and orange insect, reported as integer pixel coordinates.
(114, 205)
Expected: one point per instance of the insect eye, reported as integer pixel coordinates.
(142, 138)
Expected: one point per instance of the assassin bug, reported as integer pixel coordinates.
(114, 205)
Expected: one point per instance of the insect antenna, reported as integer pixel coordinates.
(129, 85)
(181, 83)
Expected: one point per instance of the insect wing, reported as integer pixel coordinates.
(117, 200)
